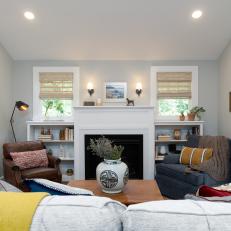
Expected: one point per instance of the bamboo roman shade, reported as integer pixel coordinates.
(174, 85)
(56, 85)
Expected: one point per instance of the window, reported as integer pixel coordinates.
(174, 90)
(54, 94)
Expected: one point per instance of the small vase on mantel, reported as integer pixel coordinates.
(111, 174)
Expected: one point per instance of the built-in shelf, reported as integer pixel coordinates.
(57, 141)
(66, 158)
(170, 141)
(167, 127)
(63, 149)
(51, 123)
(177, 122)
(66, 178)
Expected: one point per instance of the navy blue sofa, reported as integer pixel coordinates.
(175, 183)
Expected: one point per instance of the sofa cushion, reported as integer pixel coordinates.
(6, 187)
(81, 213)
(53, 188)
(30, 159)
(175, 215)
(177, 171)
(47, 173)
(171, 158)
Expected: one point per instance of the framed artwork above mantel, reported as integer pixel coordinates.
(115, 92)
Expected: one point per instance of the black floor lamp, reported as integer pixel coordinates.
(21, 106)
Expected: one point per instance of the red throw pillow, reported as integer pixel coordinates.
(30, 159)
(206, 191)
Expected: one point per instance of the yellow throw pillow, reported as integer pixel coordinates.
(195, 156)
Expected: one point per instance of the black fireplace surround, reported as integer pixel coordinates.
(132, 154)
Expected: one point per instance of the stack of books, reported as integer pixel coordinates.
(67, 134)
(45, 137)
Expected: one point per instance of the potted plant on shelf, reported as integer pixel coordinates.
(112, 173)
(195, 112)
(182, 116)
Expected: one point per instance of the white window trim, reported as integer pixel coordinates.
(153, 82)
(36, 87)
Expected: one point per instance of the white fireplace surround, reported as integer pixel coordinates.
(114, 120)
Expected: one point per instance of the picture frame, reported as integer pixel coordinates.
(115, 92)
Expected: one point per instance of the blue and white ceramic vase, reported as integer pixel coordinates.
(112, 175)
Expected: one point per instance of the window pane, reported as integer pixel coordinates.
(56, 108)
(172, 107)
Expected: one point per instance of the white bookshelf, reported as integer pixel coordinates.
(58, 141)
(55, 144)
(171, 141)
(166, 127)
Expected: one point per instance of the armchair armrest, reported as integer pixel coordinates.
(11, 165)
(53, 161)
(172, 159)
(12, 173)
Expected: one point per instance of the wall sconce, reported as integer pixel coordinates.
(139, 88)
(90, 88)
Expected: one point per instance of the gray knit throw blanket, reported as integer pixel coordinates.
(218, 166)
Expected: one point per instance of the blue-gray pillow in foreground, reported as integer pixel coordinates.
(53, 188)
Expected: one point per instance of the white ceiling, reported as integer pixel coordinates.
(115, 29)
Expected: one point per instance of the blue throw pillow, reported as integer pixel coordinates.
(54, 188)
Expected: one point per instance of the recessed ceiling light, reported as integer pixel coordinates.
(197, 14)
(29, 15)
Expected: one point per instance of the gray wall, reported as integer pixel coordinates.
(5, 98)
(224, 122)
(129, 71)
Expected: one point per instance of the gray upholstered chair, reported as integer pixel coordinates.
(175, 183)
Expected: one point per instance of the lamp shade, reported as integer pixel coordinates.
(21, 106)
(90, 86)
(139, 86)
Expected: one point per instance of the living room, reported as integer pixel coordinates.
(118, 74)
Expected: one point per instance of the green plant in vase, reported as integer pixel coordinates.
(111, 174)
(195, 112)
(182, 116)
(104, 148)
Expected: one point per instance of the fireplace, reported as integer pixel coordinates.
(120, 123)
(132, 154)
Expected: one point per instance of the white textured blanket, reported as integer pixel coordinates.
(79, 213)
(178, 215)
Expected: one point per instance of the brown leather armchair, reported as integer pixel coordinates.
(15, 176)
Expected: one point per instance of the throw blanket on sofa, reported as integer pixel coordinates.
(17, 210)
(218, 166)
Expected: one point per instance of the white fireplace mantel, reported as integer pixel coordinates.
(114, 120)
